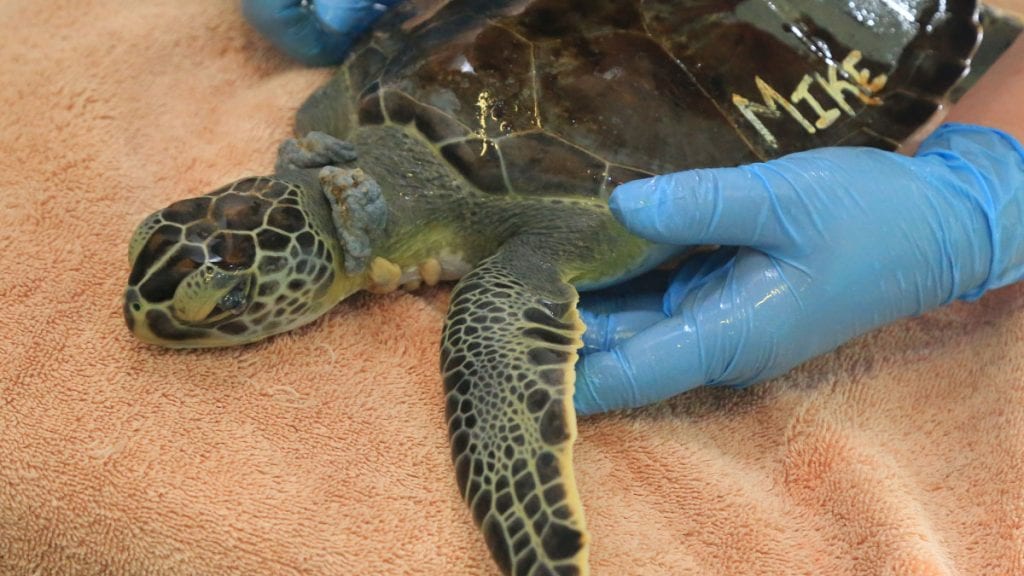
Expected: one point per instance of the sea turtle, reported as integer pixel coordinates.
(480, 139)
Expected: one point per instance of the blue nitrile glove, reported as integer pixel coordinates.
(317, 33)
(820, 247)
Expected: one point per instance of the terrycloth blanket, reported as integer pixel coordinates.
(325, 451)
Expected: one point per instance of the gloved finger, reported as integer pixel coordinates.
(351, 17)
(614, 316)
(710, 341)
(729, 206)
(606, 329)
(293, 29)
(985, 166)
(622, 310)
(611, 380)
(693, 275)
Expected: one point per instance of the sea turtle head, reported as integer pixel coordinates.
(254, 258)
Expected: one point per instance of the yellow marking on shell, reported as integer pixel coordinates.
(483, 104)
(385, 276)
(863, 78)
(854, 80)
(430, 271)
(802, 94)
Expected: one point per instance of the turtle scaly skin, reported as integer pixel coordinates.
(477, 141)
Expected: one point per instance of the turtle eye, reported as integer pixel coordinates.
(233, 303)
(235, 299)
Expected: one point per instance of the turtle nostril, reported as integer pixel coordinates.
(132, 299)
(132, 305)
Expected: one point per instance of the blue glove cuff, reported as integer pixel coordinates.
(989, 166)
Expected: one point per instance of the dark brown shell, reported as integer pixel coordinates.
(576, 96)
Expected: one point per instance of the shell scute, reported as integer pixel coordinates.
(559, 19)
(370, 109)
(437, 126)
(483, 80)
(478, 161)
(365, 67)
(400, 108)
(568, 170)
(584, 89)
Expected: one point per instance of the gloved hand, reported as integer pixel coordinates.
(820, 247)
(318, 33)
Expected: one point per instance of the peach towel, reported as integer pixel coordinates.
(324, 451)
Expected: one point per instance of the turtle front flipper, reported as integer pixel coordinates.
(508, 354)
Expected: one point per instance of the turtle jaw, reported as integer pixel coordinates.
(158, 325)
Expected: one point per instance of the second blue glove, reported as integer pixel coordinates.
(820, 247)
(317, 33)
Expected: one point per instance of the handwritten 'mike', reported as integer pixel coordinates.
(858, 82)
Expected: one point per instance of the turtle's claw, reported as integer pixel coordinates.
(314, 150)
